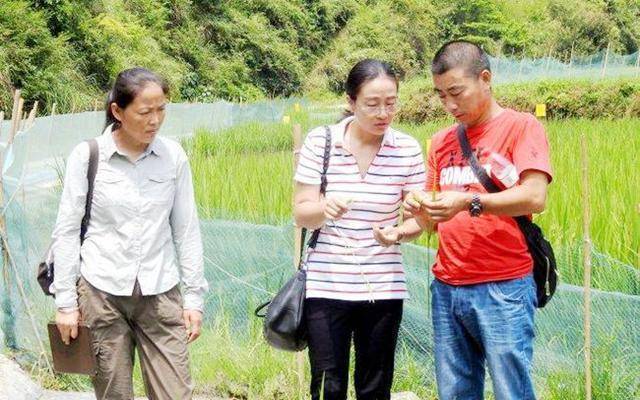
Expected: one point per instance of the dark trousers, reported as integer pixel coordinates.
(374, 327)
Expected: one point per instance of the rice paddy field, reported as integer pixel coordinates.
(246, 173)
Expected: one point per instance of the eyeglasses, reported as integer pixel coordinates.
(377, 109)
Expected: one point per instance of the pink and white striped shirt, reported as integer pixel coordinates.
(348, 263)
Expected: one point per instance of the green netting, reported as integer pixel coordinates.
(600, 65)
(246, 263)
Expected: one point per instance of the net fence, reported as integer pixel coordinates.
(597, 66)
(245, 263)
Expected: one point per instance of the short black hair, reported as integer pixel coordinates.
(460, 53)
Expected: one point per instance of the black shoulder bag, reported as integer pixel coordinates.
(284, 326)
(544, 261)
(45, 268)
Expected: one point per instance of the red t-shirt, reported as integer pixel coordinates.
(486, 248)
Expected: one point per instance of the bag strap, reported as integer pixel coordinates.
(523, 222)
(323, 188)
(92, 168)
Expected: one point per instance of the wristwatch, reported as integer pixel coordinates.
(475, 207)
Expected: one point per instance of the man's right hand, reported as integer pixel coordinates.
(67, 323)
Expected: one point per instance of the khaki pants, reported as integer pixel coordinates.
(153, 325)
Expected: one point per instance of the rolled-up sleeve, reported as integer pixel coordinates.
(186, 236)
(66, 234)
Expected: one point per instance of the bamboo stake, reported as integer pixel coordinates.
(521, 66)
(571, 59)
(606, 60)
(546, 67)
(297, 145)
(95, 105)
(21, 117)
(587, 267)
(15, 117)
(32, 116)
(53, 109)
(298, 245)
(15, 112)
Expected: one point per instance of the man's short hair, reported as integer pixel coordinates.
(460, 53)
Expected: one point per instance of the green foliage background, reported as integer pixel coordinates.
(69, 51)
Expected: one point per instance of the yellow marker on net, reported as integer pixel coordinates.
(286, 119)
(296, 107)
(541, 110)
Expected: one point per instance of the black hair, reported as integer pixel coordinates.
(460, 53)
(364, 71)
(127, 86)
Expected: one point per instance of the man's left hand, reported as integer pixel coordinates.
(446, 205)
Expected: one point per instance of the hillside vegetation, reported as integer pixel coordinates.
(68, 51)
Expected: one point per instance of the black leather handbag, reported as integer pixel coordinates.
(46, 267)
(284, 326)
(545, 272)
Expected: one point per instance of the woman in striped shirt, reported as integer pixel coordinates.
(355, 278)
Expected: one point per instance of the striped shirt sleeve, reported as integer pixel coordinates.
(309, 168)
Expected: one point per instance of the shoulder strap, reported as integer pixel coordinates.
(480, 172)
(92, 168)
(323, 188)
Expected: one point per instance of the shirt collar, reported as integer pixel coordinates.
(109, 145)
(338, 130)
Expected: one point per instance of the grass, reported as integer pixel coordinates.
(246, 173)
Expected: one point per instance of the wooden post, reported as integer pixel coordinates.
(571, 59)
(53, 109)
(586, 217)
(95, 105)
(606, 59)
(32, 116)
(521, 66)
(10, 334)
(298, 245)
(546, 67)
(15, 112)
(297, 145)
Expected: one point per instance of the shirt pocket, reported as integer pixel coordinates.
(160, 188)
(110, 189)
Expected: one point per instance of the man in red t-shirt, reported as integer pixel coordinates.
(483, 297)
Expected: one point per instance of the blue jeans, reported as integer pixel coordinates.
(487, 322)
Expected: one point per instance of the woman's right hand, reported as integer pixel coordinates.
(67, 323)
(335, 208)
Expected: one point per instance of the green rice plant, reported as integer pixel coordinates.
(252, 187)
(246, 173)
(614, 375)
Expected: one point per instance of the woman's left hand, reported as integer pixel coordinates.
(387, 236)
(193, 323)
